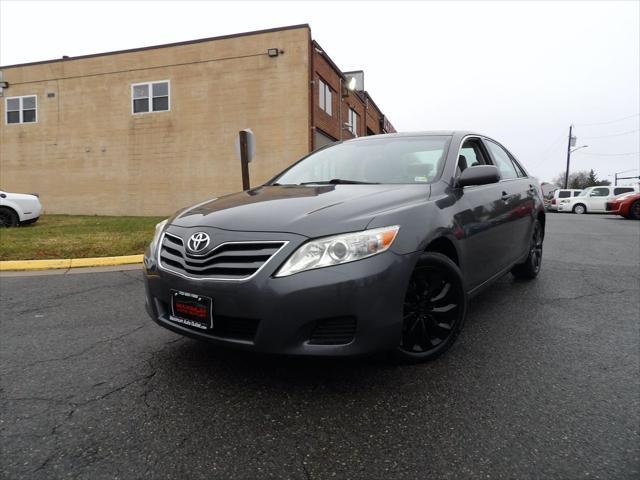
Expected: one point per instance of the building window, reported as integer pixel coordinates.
(325, 97)
(150, 97)
(353, 122)
(22, 109)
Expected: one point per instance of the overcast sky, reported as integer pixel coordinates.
(520, 72)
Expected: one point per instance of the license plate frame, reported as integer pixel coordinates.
(191, 309)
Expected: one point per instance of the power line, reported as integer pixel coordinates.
(607, 122)
(613, 134)
(112, 72)
(556, 143)
(609, 154)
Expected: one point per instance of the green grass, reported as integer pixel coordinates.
(77, 236)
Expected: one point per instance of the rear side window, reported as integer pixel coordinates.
(564, 194)
(621, 190)
(502, 161)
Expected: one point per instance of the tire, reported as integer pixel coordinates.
(580, 209)
(434, 310)
(634, 211)
(530, 268)
(8, 218)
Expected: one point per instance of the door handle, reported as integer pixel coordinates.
(505, 196)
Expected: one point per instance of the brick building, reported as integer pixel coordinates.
(149, 130)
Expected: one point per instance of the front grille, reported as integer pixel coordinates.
(228, 261)
(333, 331)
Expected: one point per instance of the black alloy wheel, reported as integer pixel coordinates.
(8, 218)
(530, 268)
(435, 306)
(634, 210)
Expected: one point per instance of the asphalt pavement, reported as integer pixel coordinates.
(543, 383)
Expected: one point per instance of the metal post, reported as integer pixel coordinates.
(615, 182)
(244, 159)
(566, 175)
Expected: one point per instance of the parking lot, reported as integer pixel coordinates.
(543, 383)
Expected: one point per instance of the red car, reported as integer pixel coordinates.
(627, 205)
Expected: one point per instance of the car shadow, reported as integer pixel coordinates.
(196, 366)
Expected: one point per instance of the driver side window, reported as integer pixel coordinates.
(471, 155)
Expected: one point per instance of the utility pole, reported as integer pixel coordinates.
(566, 175)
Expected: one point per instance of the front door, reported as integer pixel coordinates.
(597, 199)
(478, 220)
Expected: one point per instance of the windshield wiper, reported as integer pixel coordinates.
(339, 181)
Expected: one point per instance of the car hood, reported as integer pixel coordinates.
(312, 211)
(20, 196)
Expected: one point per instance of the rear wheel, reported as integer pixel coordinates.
(8, 218)
(434, 310)
(579, 209)
(634, 210)
(530, 268)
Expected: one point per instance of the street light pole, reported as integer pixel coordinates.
(566, 175)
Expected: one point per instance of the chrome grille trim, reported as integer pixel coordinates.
(177, 245)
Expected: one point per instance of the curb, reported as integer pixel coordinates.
(16, 265)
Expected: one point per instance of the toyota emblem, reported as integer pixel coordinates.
(198, 242)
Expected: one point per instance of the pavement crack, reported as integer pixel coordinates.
(87, 349)
(45, 462)
(588, 295)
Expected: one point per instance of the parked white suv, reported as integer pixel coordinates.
(593, 199)
(18, 209)
(561, 194)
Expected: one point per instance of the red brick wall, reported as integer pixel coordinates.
(330, 124)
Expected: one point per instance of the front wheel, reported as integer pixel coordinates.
(530, 268)
(434, 310)
(634, 210)
(8, 218)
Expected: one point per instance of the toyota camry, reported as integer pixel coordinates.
(367, 245)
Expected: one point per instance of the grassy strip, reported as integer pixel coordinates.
(77, 236)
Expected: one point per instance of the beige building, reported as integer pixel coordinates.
(150, 130)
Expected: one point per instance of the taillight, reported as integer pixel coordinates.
(553, 201)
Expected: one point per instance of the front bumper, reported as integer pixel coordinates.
(284, 315)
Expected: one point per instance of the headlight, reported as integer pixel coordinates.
(338, 249)
(156, 237)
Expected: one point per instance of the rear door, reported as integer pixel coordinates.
(517, 192)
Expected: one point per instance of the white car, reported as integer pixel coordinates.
(560, 194)
(593, 199)
(18, 209)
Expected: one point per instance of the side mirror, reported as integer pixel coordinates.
(478, 175)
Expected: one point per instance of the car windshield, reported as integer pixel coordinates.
(418, 159)
(584, 193)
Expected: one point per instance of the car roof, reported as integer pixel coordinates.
(427, 133)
